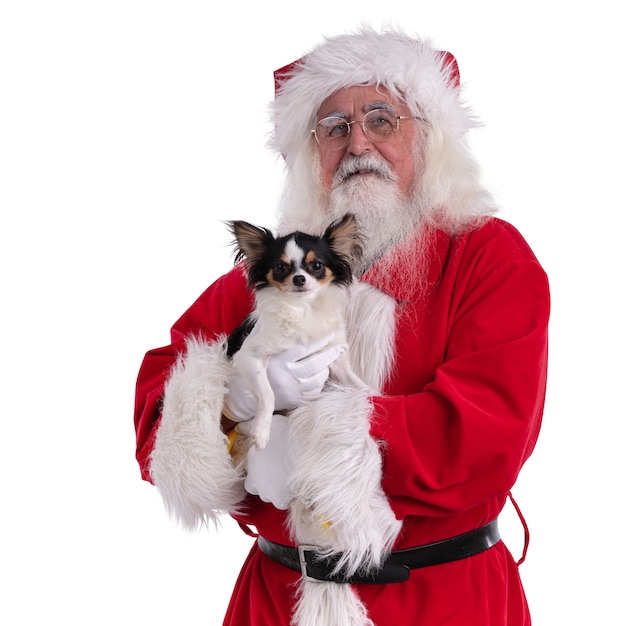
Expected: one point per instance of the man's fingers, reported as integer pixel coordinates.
(317, 362)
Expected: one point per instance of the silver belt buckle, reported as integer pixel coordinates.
(303, 564)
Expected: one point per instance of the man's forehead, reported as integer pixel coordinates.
(359, 99)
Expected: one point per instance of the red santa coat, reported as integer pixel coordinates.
(459, 415)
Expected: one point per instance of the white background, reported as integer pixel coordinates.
(128, 130)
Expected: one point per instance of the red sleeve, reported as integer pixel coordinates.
(220, 309)
(463, 437)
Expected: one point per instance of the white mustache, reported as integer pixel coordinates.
(362, 164)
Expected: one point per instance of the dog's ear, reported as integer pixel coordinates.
(344, 237)
(250, 241)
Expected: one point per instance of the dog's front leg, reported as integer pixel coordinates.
(253, 369)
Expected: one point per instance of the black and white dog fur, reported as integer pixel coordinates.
(300, 283)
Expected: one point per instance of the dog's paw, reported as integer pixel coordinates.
(262, 434)
(260, 442)
(257, 430)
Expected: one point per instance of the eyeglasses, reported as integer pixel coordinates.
(333, 133)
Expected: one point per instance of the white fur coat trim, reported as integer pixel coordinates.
(329, 604)
(339, 504)
(371, 331)
(190, 463)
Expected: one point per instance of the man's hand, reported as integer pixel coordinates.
(269, 469)
(296, 375)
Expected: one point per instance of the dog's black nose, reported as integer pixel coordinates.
(299, 280)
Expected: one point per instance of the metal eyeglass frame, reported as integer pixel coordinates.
(372, 113)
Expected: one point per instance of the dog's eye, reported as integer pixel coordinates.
(316, 268)
(280, 270)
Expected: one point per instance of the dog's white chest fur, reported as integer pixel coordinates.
(282, 320)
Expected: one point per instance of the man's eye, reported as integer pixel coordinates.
(380, 121)
(339, 129)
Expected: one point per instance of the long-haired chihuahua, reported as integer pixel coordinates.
(300, 284)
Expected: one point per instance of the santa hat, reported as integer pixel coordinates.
(425, 78)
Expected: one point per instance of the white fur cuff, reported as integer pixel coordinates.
(339, 504)
(190, 463)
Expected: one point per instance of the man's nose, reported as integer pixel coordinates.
(359, 142)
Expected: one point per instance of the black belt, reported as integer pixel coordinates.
(395, 569)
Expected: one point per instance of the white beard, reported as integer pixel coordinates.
(389, 221)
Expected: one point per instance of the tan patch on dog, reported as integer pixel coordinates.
(327, 277)
(283, 285)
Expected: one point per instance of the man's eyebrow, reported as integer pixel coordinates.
(377, 105)
(337, 113)
(366, 108)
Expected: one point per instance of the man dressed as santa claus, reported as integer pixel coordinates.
(369, 507)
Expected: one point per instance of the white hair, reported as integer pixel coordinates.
(449, 192)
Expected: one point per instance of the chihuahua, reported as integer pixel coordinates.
(300, 282)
